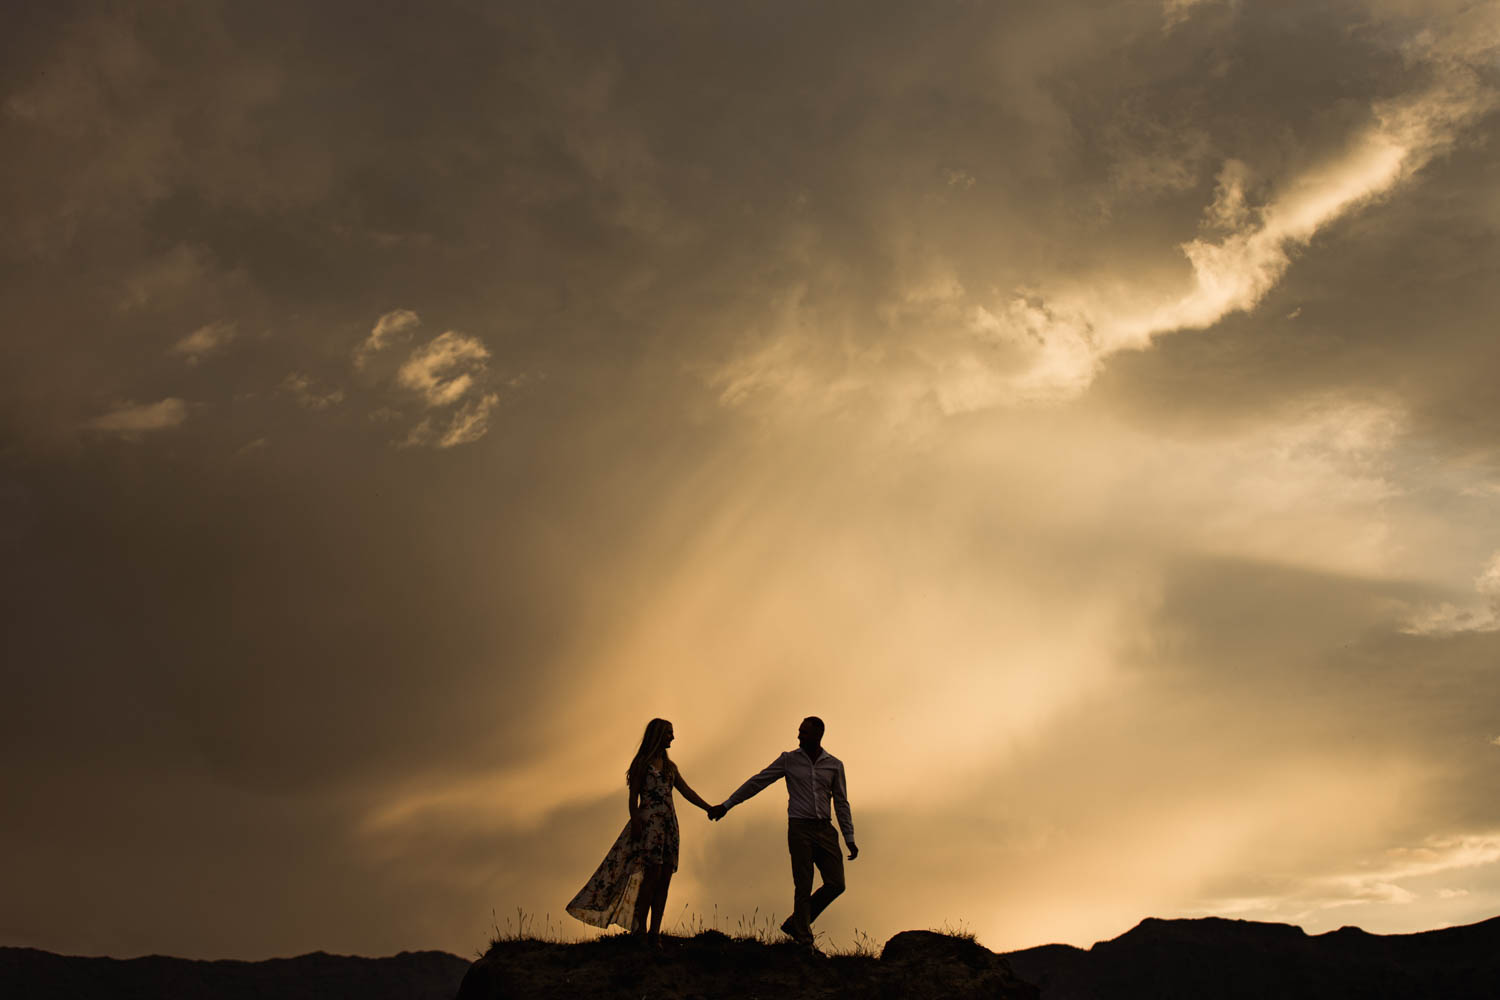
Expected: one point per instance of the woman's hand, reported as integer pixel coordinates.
(635, 827)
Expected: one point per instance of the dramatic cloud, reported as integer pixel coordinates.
(1085, 406)
(1067, 335)
(1048, 342)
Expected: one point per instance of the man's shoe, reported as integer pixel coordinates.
(790, 930)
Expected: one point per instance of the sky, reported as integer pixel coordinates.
(1087, 408)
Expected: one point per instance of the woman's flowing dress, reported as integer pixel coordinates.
(609, 896)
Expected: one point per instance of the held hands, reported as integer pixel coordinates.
(717, 812)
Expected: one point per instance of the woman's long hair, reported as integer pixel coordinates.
(654, 742)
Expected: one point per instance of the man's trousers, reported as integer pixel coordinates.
(813, 842)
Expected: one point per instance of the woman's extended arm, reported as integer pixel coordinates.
(689, 794)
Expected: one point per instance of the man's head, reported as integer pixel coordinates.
(810, 733)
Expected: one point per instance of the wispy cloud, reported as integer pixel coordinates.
(302, 388)
(253, 446)
(1377, 881)
(1481, 615)
(444, 370)
(388, 328)
(1438, 854)
(204, 341)
(467, 424)
(447, 375)
(139, 418)
(1174, 12)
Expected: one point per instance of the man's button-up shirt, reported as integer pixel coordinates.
(810, 784)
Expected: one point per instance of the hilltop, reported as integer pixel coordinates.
(913, 965)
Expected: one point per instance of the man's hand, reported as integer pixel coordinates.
(853, 852)
(717, 812)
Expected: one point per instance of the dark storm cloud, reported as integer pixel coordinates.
(564, 176)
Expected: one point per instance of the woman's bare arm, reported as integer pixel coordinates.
(634, 802)
(689, 794)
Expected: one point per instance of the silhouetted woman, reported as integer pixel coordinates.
(634, 876)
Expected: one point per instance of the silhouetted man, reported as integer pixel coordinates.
(813, 776)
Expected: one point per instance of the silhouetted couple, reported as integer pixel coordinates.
(631, 883)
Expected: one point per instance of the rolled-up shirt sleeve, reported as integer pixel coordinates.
(841, 806)
(775, 772)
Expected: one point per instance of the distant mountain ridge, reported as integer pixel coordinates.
(1212, 957)
(29, 974)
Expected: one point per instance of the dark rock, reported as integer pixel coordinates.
(913, 962)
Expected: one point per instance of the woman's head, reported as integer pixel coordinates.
(654, 742)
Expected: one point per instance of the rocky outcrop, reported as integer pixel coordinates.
(912, 961)
(915, 965)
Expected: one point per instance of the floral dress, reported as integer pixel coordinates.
(610, 895)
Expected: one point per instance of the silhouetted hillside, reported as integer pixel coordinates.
(914, 965)
(1212, 958)
(28, 974)
(1208, 959)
